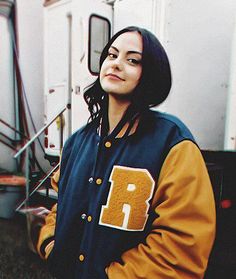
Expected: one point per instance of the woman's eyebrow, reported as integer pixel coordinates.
(128, 52)
(116, 49)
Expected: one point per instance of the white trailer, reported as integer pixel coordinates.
(197, 36)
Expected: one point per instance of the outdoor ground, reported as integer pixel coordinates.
(16, 259)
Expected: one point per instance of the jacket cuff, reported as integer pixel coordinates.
(44, 244)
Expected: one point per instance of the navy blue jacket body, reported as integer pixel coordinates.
(84, 185)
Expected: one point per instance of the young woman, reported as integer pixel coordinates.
(135, 200)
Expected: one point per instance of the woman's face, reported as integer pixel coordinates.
(122, 69)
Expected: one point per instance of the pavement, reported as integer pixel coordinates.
(17, 261)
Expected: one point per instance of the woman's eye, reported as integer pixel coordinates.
(134, 61)
(112, 55)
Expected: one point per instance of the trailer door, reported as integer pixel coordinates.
(56, 73)
(91, 30)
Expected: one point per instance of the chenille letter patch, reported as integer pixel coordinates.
(128, 199)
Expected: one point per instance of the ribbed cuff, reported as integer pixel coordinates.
(44, 244)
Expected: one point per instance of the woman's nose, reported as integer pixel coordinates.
(117, 64)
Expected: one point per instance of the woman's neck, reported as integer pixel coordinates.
(116, 109)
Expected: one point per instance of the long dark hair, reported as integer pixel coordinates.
(154, 85)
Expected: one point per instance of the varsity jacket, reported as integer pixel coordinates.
(133, 206)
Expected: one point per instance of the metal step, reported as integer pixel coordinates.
(50, 193)
(39, 211)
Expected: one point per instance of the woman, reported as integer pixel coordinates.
(135, 200)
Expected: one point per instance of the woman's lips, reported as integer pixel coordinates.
(114, 77)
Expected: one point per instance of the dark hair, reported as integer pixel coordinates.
(154, 85)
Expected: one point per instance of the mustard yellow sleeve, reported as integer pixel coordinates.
(46, 235)
(182, 235)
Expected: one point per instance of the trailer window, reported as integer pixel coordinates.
(99, 34)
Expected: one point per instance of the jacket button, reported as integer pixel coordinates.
(89, 218)
(81, 257)
(90, 180)
(99, 181)
(108, 144)
(83, 216)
